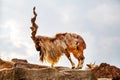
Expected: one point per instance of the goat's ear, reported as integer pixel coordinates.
(38, 48)
(89, 65)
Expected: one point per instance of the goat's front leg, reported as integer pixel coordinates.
(69, 58)
(80, 57)
(80, 64)
(80, 61)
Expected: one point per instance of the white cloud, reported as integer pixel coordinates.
(14, 32)
(66, 13)
(105, 14)
(108, 43)
(91, 49)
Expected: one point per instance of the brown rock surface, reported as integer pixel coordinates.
(44, 74)
(15, 60)
(27, 71)
(6, 64)
(106, 71)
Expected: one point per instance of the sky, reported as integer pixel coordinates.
(97, 21)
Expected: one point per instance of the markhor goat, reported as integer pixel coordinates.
(51, 48)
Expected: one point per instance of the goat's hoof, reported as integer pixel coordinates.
(73, 67)
(78, 68)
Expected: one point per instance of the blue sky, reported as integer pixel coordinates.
(97, 21)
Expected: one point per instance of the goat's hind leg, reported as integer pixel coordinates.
(69, 58)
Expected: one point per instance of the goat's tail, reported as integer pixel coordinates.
(34, 25)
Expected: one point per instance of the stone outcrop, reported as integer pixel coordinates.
(27, 71)
(105, 70)
(44, 74)
(6, 64)
(15, 60)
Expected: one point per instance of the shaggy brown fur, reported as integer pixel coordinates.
(51, 48)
